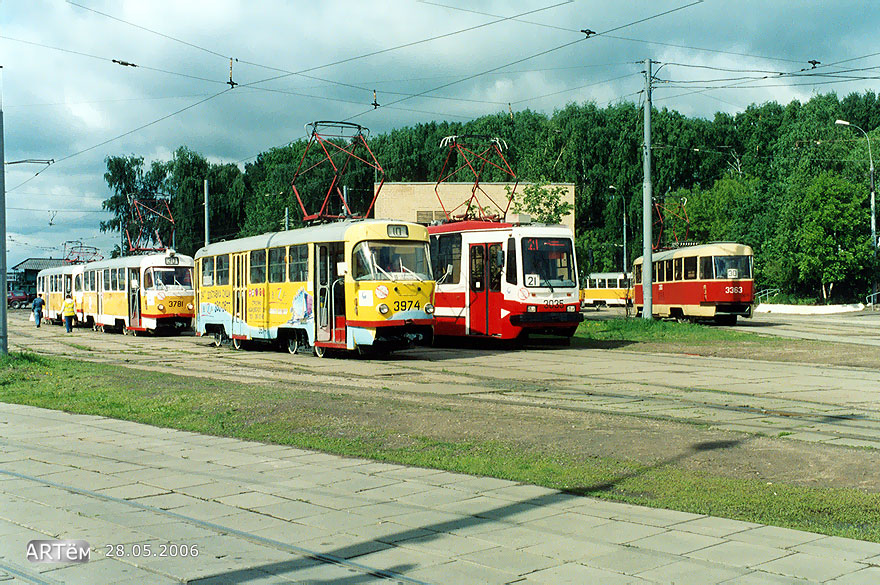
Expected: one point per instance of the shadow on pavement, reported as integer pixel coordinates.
(396, 574)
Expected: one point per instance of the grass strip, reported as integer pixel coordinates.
(304, 419)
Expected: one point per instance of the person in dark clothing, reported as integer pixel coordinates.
(38, 310)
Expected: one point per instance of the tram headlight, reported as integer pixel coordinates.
(429, 308)
(383, 308)
(531, 309)
(571, 308)
(160, 306)
(189, 307)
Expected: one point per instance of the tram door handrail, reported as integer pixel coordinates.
(871, 300)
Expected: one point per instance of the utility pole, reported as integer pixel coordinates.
(207, 216)
(647, 198)
(286, 216)
(4, 334)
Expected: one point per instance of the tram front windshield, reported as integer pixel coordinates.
(733, 267)
(163, 278)
(548, 262)
(391, 261)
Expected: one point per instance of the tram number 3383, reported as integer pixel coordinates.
(406, 305)
(733, 290)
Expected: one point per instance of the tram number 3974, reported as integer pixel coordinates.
(733, 290)
(406, 305)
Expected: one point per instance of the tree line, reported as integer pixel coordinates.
(783, 179)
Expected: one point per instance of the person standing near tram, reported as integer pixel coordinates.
(38, 310)
(68, 309)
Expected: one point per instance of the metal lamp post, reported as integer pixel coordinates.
(873, 210)
(623, 200)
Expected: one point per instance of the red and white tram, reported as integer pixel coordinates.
(504, 280)
(703, 282)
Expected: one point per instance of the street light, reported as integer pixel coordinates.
(623, 200)
(873, 210)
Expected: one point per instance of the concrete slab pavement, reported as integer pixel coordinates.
(148, 500)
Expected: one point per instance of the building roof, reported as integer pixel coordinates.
(39, 263)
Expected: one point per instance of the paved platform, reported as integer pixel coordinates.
(258, 513)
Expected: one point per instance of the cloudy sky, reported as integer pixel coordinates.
(68, 94)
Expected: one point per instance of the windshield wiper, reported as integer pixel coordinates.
(547, 280)
(379, 268)
(405, 269)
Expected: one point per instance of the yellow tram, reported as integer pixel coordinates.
(130, 294)
(353, 285)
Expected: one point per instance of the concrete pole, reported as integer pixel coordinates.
(286, 218)
(4, 335)
(647, 199)
(207, 216)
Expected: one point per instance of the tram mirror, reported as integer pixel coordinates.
(341, 268)
(448, 270)
(134, 284)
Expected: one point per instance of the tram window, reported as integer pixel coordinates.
(207, 272)
(114, 279)
(658, 271)
(446, 250)
(511, 261)
(258, 266)
(277, 268)
(706, 269)
(496, 264)
(637, 269)
(676, 269)
(78, 283)
(299, 263)
(733, 266)
(148, 279)
(690, 268)
(669, 269)
(478, 268)
(105, 280)
(222, 264)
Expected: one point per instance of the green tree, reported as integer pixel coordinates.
(543, 202)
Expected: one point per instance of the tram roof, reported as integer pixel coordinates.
(121, 262)
(480, 225)
(328, 232)
(710, 249)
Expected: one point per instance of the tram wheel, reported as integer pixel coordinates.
(217, 339)
(293, 343)
(320, 351)
(237, 343)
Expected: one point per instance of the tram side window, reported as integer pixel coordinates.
(222, 263)
(496, 264)
(677, 268)
(511, 261)
(78, 283)
(668, 270)
(637, 269)
(208, 271)
(277, 267)
(445, 251)
(258, 266)
(114, 279)
(706, 269)
(299, 263)
(690, 268)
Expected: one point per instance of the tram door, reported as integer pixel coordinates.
(484, 297)
(134, 297)
(330, 287)
(239, 294)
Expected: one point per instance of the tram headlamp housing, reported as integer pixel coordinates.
(531, 309)
(160, 306)
(571, 308)
(383, 308)
(189, 307)
(429, 308)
